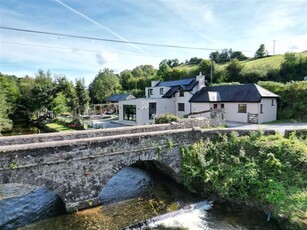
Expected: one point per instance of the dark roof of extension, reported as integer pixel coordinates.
(120, 97)
(184, 84)
(232, 93)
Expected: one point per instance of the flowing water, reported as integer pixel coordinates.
(158, 200)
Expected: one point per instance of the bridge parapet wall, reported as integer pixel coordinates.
(47, 137)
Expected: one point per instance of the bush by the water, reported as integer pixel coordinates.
(265, 171)
(166, 118)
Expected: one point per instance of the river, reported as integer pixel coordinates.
(134, 195)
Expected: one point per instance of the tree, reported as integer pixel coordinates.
(60, 104)
(43, 91)
(234, 71)
(215, 56)
(195, 60)
(82, 97)
(104, 85)
(126, 78)
(260, 51)
(205, 68)
(9, 86)
(293, 68)
(164, 68)
(26, 103)
(173, 62)
(224, 56)
(5, 123)
(238, 55)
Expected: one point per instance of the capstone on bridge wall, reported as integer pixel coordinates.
(45, 137)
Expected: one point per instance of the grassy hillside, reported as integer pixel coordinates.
(264, 64)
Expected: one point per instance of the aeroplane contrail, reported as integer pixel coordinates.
(100, 25)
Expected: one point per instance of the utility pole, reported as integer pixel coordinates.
(274, 47)
(211, 70)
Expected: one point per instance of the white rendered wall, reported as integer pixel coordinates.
(199, 107)
(269, 111)
(156, 92)
(232, 114)
(185, 99)
(163, 106)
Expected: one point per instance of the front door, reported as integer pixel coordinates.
(152, 110)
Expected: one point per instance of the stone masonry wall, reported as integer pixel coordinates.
(77, 169)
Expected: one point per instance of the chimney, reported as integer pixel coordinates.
(201, 79)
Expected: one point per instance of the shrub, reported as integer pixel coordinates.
(166, 118)
(267, 171)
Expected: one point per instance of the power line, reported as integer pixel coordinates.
(109, 40)
(71, 49)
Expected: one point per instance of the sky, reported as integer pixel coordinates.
(207, 25)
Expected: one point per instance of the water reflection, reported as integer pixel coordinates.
(161, 196)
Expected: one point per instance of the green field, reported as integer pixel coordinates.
(264, 64)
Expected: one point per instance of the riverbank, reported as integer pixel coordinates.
(268, 172)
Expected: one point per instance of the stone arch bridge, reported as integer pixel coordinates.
(77, 165)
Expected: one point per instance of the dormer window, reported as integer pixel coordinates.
(149, 92)
(161, 91)
(181, 93)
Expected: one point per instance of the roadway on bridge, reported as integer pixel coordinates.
(277, 127)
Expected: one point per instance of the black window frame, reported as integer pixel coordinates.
(181, 107)
(242, 108)
(129, 112)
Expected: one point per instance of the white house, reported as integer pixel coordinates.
(243, 103)
(161, 98)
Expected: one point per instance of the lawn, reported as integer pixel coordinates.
(58, 127)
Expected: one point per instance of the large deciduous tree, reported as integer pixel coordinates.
(234, 71)
(104, 85)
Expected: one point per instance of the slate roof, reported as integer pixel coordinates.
(176, 85)
(232, 93)
(120, 97)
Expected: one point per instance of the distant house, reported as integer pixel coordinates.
(161, 98)
(115, 98)
(243, 103)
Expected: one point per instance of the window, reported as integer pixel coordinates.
(180, 106)
(261, 108)
(214, 106)
(242, 108)
(222, 106)
(273, 104)
(181, 93)
(152, 110)
(129, 112)
(149, 92)
(161, 91)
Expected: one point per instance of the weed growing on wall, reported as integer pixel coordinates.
(267, 171)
